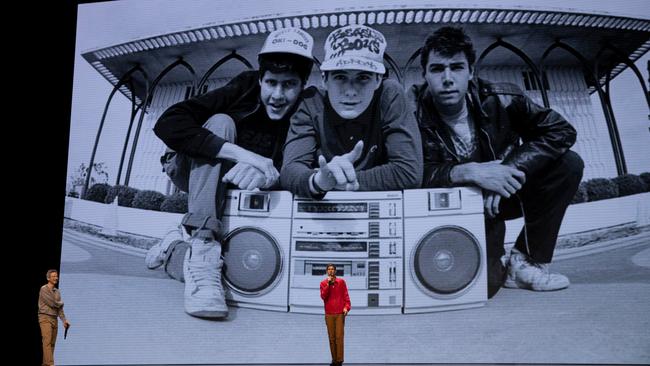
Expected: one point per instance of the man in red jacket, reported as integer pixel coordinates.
(334, 293)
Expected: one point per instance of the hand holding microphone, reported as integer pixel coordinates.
(331, 279)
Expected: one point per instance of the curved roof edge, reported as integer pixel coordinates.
(460, 15)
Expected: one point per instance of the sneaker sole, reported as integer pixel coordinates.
(153, 263)
(208, 313)
(514, 284)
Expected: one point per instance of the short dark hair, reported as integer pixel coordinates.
(285, 62)
(330, 265)
(448, 41)
(49, 272)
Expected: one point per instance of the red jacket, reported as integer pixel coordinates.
(335, 296)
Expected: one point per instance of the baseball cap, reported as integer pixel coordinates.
(289, 40)
(355, 47)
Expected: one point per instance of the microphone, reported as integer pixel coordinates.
(65, 333)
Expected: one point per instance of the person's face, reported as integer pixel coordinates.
(279, 92)
(448, 79)
(350, 91)
(331, 271)
(53, 278)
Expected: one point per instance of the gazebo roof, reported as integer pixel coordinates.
(530, 30)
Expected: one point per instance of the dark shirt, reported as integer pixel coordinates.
(349, 131)
(263, 136)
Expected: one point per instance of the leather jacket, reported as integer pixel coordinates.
(510, 126)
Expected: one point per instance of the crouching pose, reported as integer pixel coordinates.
(233, 134)
(491, 135)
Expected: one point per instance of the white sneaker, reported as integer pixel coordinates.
(523, 273)
(158, 254)
(204, 295)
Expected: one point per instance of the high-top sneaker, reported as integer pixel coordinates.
(204, 295)
(526, 274)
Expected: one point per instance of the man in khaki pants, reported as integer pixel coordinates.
(334, 293)
(50, 306)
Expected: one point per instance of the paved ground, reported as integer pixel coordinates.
(122, 312)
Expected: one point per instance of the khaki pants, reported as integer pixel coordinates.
(335, 324)
(49, 328)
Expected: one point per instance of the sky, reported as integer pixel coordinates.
(103, 24)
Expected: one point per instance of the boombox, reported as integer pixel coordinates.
(412, 251)
(256, 248)
(444, 249)
(362, 234)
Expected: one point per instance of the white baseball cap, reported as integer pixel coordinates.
(289, 40)
(355, 47)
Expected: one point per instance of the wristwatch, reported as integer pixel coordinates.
(317, 188)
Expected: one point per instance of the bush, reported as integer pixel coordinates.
(629, 184)
(581, 194)
(646, 178)
(124, 195)
(97, 192)
(148, 200)
(176, 203)
(600, 189)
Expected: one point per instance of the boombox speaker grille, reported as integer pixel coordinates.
(447, 260)
(252, 260)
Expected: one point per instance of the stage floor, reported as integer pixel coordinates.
(123, 313)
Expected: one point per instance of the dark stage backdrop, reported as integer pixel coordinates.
(46, 86)
(53, 89)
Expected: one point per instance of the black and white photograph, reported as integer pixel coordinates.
(354, 183)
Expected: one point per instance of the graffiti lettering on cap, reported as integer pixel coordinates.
(355, 32)
(356, 63)
(355, 47)
(346, 44)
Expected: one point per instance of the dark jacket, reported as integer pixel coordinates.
(391, 159)
(180, 127)
(510, 126)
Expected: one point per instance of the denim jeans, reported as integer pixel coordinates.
(542, 201)
(201, 179)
